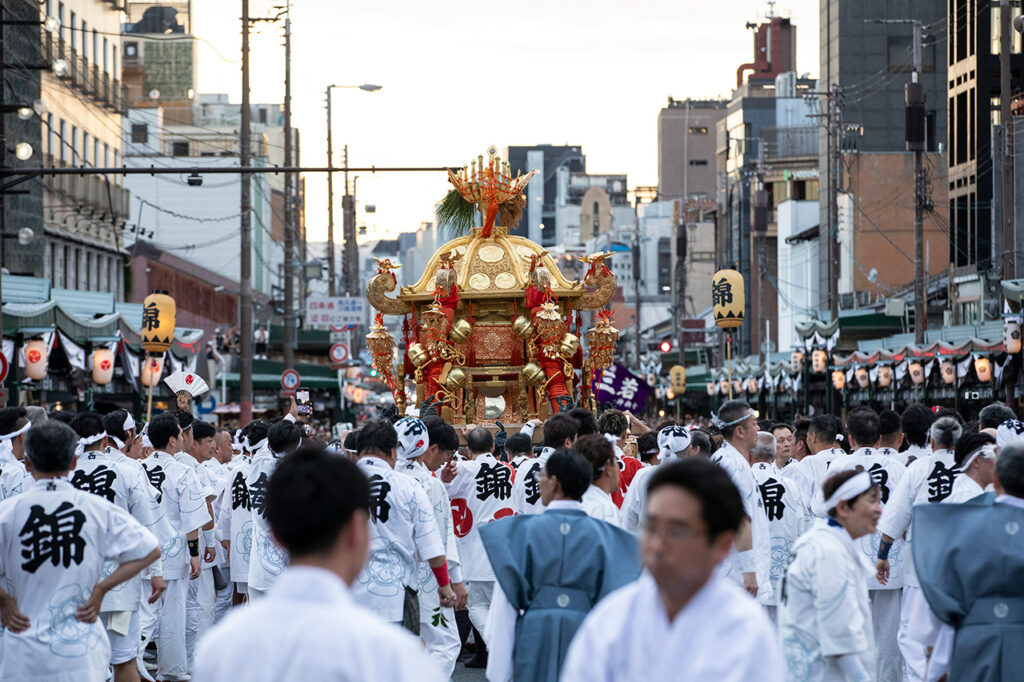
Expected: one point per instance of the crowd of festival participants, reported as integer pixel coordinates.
(587, 548)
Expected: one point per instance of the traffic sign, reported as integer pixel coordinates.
(207, 405)
(339, 353)
(290, 380)
(4, 367)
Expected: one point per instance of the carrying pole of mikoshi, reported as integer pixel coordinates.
(729, 300)
(149, 397)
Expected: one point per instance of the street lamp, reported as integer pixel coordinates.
(365, 87)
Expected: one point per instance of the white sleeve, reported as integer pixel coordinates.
(500, 635)
(192, 502)
(895, 517)
(528, 429)
(942, 654)
(124, 538)
(425, 533)
(630, 511)
(835, 607)
(585, 659)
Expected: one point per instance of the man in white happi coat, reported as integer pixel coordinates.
(886, 472)
(928, 480)
(481, 491)
(559, 432)
(785, 509)
(823, 436)
(309, 626)
(118, 480)
(916, 422)
(220, 466)
(824, 613)
(403, 531)
(14, 477)
(423, 448)
(749, 564)
(597, 500)
(519, 447)
(236, 507)
(182, 498)
(673, 443)
(54, 542)
(266, 558)
(681, 620)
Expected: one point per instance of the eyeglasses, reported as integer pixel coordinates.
(674, 532)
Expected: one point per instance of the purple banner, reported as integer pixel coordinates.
(621, 388)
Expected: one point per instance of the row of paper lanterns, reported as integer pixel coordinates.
(37, 361)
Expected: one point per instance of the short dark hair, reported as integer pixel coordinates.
(113, 424)
(351, 442)
(780, 425)
(255, 431)
(62, 416)
(721, 507)
(949, 412)
(11, 419)
(559, 428)
(1010, 468)
(647, 446)
(800, 429)
(597, 451)
(832, 483)
(613, 421)
(185, 418)
(441, 433)
(519, 444)
(311, 497)
(732, 410)
(888, 423)
(968, 443)
(863, 425)
(479, 440)
(586, 419)
(201, 430)
(50, 446)
(162, 428)
(379, 435)
(915, 421)
(825, 427)
(572, 471)
(87, 424)
(284, 436)
(764, 425)
(991, 416)
(701, 439)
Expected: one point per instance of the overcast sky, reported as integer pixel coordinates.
(459, 76)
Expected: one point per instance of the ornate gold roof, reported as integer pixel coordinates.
(494, 267)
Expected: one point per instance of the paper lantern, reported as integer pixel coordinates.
(37, 359)
(983, 368)
(712, 388)
(728, 298)
(152, 370)
(102, 366)
(884, 376)
(1011, 335)
(819, 359)
(916, 373)
(723, 387)
(737, 387)
(948, 370)
(839, 379)
(752, 386)
(796, 362)
(863, 381)
(158, 311)
(678, 377)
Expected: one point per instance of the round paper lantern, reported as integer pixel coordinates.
(152, 370)
(796, 362)
(158, 311)
(863, 380)
(712, 388)
(728, 298)
(752, 386)
(1011, 336)
(723, 387)
(916, 373)
(983, 368)
(737, 387)
(948, 370)
(839, 379)
(102, 366)
(37, 359)
(885, 376)
(818, 361)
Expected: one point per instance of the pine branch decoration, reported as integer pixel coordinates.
(455, 216)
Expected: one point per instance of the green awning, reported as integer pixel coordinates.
(274, 381)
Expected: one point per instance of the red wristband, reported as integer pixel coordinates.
(441, 574)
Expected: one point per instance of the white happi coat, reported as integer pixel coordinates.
(599, 505)
(480, 492)
(824, 610)
(738, 468)
(54, 541)
(403, 530)
(927, 480)
(266, 558)
(631, 514)
(526, 488)
(213, 484)
(309, 627)
(14, 479)
(814, 469)
(787, 520)
(913, 453)
(721, 635)
(235, 525)
(964, 488)
(886, 472)
(182, 499)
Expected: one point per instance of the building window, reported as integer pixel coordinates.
(105, 51)
(698, 130)
(74, 31)
(106, 155)
(50, 135)
(179, 148)
(60, 18)
(140, 133)
(664, 264)
(63, 141)
(95, 152)
(74, 145)
(698, 162)
(85, 148)
(113, 64)
(95, 47)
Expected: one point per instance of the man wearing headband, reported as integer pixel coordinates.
(235, 534)
(14, 478)
(420, 453)
(825, 618)
(975, 458)
(673, 443)
(822, 443)
(916, 421)
(55, 542)
(597, 500)
(749, 562)
(560, 431)
(613, 425)
(886, 472)
(970, 562)
(681, 620)
(551, 569)
(928, 480)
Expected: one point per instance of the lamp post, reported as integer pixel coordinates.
(365, 87)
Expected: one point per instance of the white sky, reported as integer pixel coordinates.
(459, 76)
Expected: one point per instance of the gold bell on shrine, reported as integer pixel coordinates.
(523, 327)
(569, 345)
(456, 379)
(533, 374)
(417, 355)
(460, 331)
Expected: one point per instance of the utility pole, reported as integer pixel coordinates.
(289, 214)
(351, 265)
(330, 202)
(835, 159)
(636, 280)
(245, 290)
(915, 137)
(1007, 126)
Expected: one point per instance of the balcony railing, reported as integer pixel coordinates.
(94, 192)
(782, 143)
(84, 76)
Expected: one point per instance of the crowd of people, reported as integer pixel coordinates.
(587, 547)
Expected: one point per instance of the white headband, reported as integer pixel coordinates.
(988, 451)
(719, 424)
(117, 441)
(847, 491)
(89, 440)
(14, 434)
(146, 442)
(129, 423)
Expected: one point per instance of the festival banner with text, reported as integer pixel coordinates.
(619, 387)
